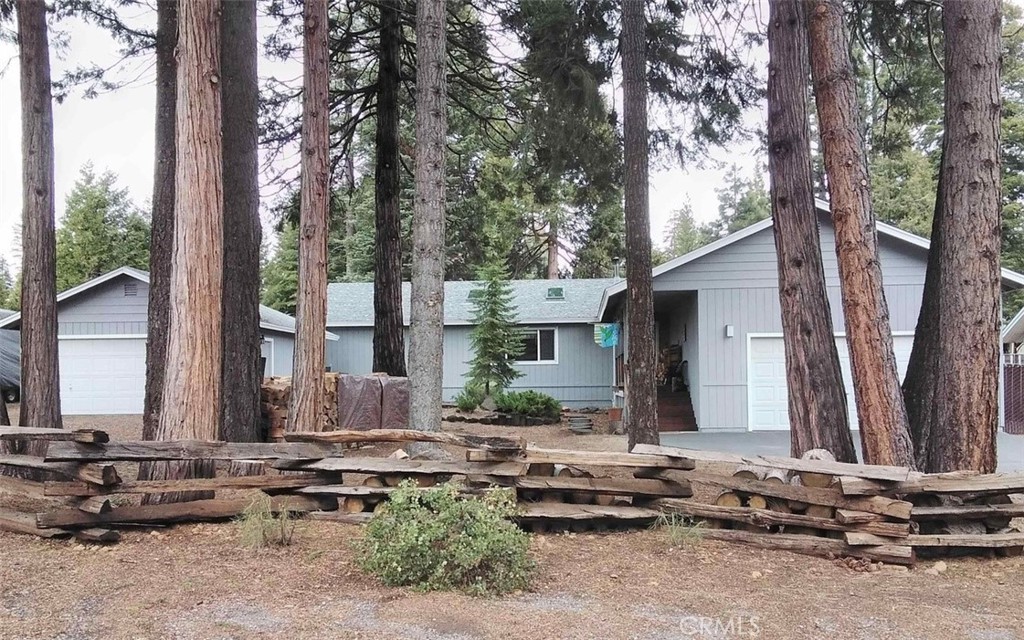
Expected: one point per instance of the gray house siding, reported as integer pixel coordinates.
(283, 348)
(106, 310)
(738, 285)
(581, 378)
(353, 352)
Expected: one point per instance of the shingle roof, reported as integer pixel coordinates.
(276, 318)
(350, 304)
(269, 318)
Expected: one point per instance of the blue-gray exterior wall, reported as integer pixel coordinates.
(106, 310)
(581, 378)
(738, 285)
(283, 348)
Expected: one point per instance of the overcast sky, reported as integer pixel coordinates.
(115, 131)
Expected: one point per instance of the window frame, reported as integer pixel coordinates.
(537, 331)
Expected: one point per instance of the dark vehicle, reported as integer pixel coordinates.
(10, 365)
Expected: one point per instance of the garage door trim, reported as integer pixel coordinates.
(754, 335)
(102, 336)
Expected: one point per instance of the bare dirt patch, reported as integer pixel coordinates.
(196, 581)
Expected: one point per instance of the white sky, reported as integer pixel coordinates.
(115, 131)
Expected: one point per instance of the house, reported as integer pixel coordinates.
(717, 307)
(101, 327)
(720, 305)
(561, 357)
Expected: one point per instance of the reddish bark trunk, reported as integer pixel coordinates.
(966, 413)
(818, 416)
(884, 433)
(190, 406)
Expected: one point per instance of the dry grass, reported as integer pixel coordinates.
(259, 527)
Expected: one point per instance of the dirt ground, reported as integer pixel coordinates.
(198, 581)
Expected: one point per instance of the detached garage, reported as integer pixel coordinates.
(101, 330)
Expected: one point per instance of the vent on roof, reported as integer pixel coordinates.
(131, 289)
(556, 293)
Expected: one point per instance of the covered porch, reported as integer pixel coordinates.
(676, 344)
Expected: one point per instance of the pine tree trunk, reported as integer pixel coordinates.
(426, 329)
(967, 398)
(161, 243)
(350, 215)
(241, 375)
(40, 376)
(552, 270)
(350, 186)
(388, 339)
(919, 385)
(40, 379)
(641, 397)
(884, 432)
(190, 406)
(818, 416)
(306, 412)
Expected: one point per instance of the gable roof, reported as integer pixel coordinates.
(1013, 331)
(270, 319)
(350, 304)
(1011, 279)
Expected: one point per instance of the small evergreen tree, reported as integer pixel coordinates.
(281, 272)
(496, 339)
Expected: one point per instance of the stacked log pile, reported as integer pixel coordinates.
(275, 398)
(821, 507)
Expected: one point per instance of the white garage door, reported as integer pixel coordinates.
(766, 383)
(102, 375)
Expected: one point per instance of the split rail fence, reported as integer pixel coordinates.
(816, 507)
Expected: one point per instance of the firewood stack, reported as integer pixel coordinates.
(821, 507)
(275, 396)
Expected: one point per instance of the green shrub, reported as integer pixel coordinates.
(528, 403)
(470, 397)
(260, 527)
(439, 540)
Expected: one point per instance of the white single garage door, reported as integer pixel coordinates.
(766, 380)
(101, 376)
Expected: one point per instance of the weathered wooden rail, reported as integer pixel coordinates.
(817, 507)
(879, 513)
